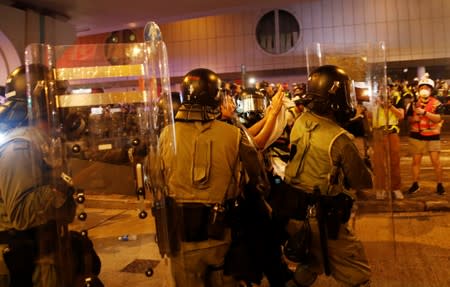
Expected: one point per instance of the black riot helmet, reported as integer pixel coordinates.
(252, 105)
(201, 96)
(26, 91)
(329, 89)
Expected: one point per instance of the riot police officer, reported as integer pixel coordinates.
(203, 178)
(258, 229)
(34, 203)
(324, 164)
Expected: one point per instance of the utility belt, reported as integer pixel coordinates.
(194, 222)
(43, 237)
(200, 222)
(334, 210)
(329, 211)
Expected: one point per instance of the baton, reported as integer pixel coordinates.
(322, 231)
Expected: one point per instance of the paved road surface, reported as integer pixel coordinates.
(404, 249)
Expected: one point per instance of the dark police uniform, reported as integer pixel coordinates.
(27, 200)
(321, 150)
(202, 173)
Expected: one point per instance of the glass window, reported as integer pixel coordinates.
(277, 31)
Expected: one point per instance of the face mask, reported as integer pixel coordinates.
(424, 93)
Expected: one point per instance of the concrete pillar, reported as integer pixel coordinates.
(420, 71)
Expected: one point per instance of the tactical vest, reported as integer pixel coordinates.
(425, 126)
(32, 142)
(312, 164)
(206, 162)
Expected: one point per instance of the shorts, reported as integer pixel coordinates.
(421, 146)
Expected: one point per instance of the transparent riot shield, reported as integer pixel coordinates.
(398, 234)
(107, 106)
(374, 136)
(365, 64)
(36, 197)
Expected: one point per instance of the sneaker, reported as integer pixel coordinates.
(398, 194)
(440, 189)
(381, 194)
(414, 188)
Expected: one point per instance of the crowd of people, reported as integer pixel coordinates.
(377, 126)
(287, 171)
(301, 163)
(263, 178)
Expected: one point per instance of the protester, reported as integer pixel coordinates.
(425, 133)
